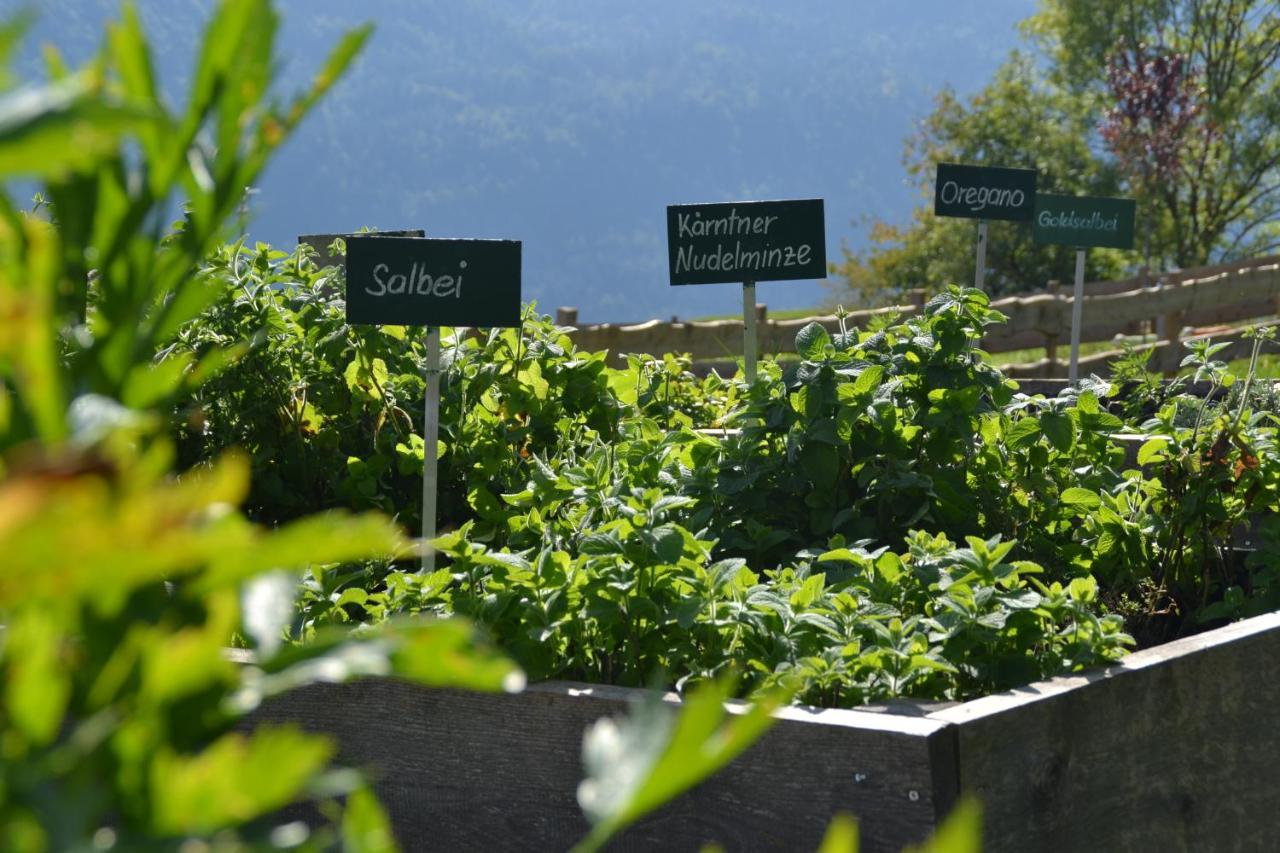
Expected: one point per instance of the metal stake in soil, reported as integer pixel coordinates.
(1077, 310)
(430, 439)
(980, 271)
(749, 330)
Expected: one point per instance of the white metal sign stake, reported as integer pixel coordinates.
(749, 330)
(430, 440)
(980, 272)
(1077, 310)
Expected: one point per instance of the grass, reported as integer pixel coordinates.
(1063, 353)
(1268, 366)
(783, 314)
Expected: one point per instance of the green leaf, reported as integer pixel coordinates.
(1022, 433)
(868, 380)
(1088, 403)
(821, 464)
(448, 653)
(184, 663)
(148, 384)
(843, 555)
(365, 826)
(1079, 497)
(1153, 450)
(63, 127)
(335, 65)
(637, 764)
(601, 544)
(235, 779)
(367, 379)
(14, 27)
(322, 538)
(38, 686)
(531, 378)
(961, 832)
(432, 652)
(841, 836)
(669, 543)
(1083, 590)
(1059, 429)
(812, 340)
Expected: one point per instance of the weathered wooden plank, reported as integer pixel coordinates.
(1213, 315)
(1176, 748)
(1219, 293)
(1006, 339)
(1098, 288)
(320, 243)
(1239, 347)
(1256, 284)
(463, 771)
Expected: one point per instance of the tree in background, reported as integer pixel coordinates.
(1019, 120)
(1216, 198)
(1149, 124)
(1208, 75)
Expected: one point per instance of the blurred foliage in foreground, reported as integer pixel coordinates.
(121, 583)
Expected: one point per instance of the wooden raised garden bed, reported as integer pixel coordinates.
(1175, 748)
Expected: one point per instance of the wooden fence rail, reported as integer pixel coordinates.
(1195, 298)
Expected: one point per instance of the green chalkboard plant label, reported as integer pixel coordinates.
(1084, 221)
(984, 192)
(407, 281)
(747, 241)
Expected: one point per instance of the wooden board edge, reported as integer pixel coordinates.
(918, 723)
(1040, 691)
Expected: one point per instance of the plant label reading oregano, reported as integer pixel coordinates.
(1084, 221)
(984, 192)
(408, 281)
(746, 241)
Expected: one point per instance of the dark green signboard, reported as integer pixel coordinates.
(984, 192)
(747, 241)
(1084, 221)
(407, 281)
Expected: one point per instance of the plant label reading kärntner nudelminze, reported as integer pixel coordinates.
(984, 192)
(746, 241)
(408, 281)
(1084, 221)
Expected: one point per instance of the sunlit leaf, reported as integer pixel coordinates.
(961, 832)
(365, 826)
(62, 127)
(842, 835)
(636, 764)
(812, 340)
(235, 779)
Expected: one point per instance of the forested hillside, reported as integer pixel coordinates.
(571, 125)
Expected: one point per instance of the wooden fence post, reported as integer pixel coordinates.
(1051, 341)
(1171, 334)
(1242, 290)
(1167, 328)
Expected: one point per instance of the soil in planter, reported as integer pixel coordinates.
(1157, 618)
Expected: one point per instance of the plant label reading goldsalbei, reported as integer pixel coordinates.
(408, 281)
(746, 241)
(984, 192)
(1084, 221)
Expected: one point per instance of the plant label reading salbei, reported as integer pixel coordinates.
(1084, 221)
(984, 192)
(410, 281)
(746, 241)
